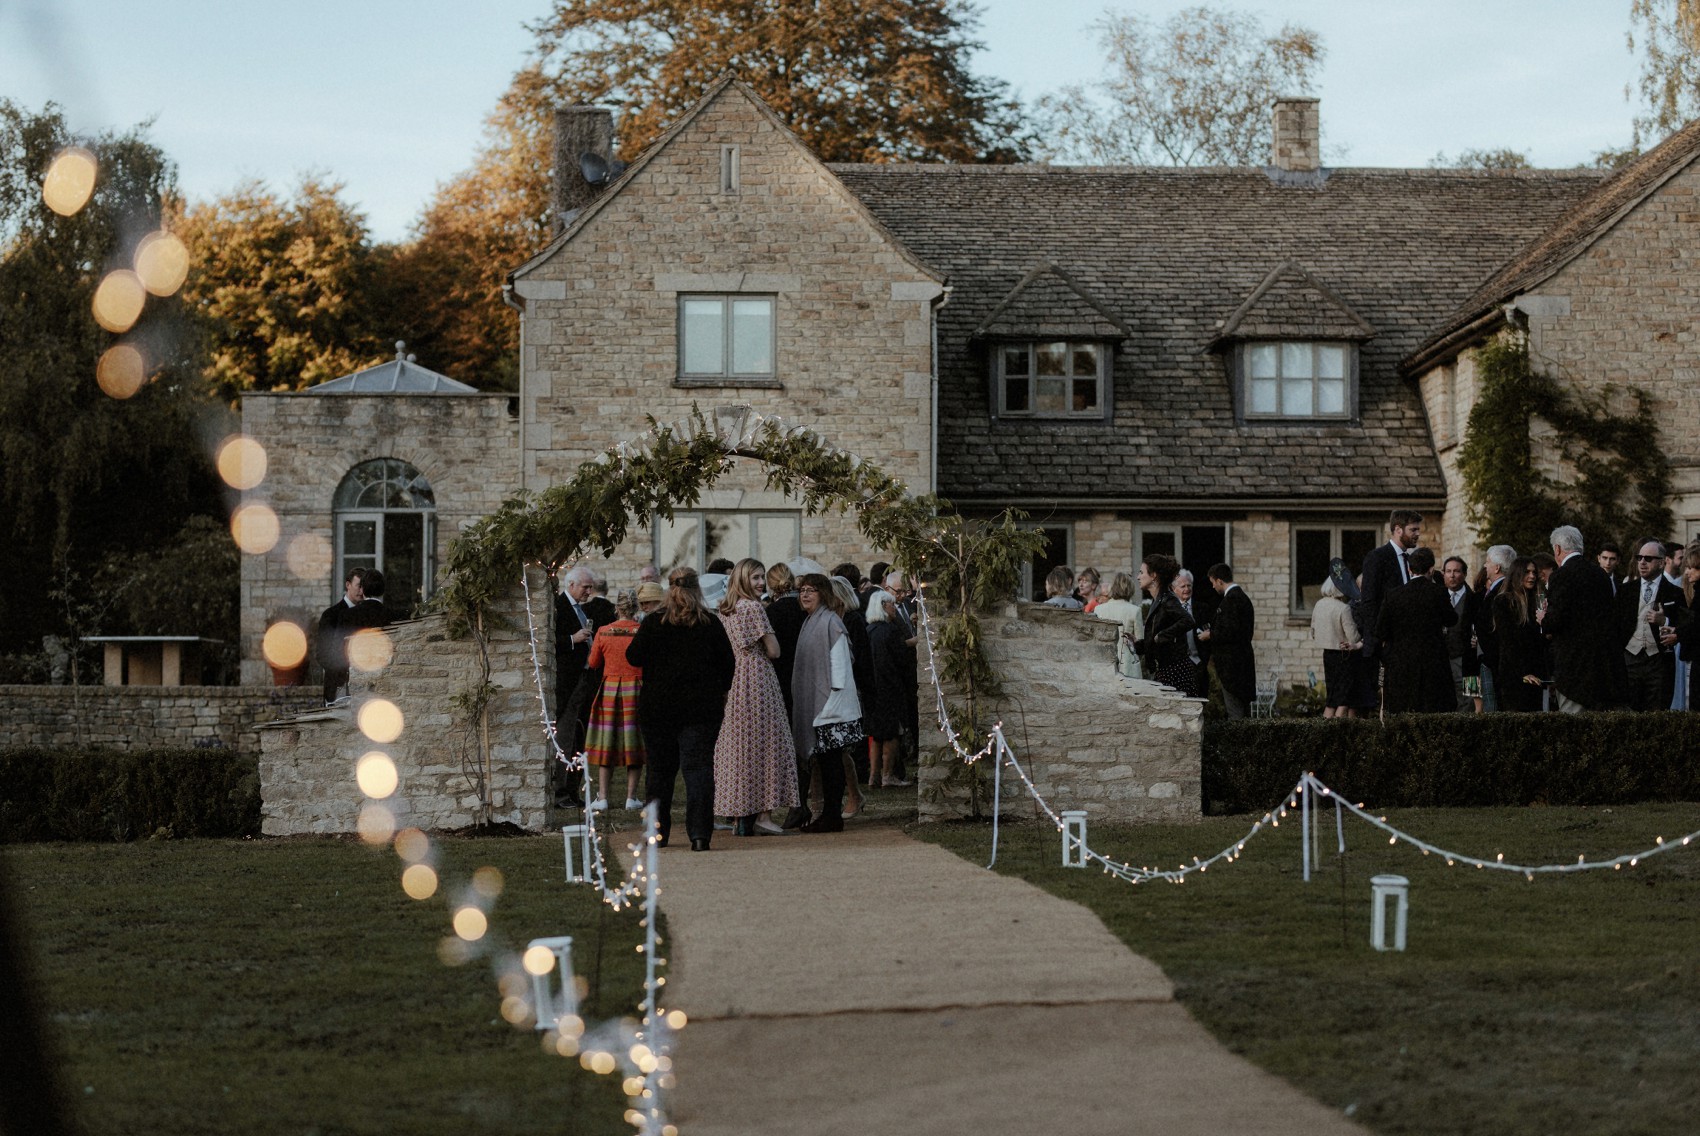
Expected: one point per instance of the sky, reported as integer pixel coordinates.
(389, 96)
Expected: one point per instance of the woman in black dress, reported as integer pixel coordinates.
(1164, 646)
(1523, 667)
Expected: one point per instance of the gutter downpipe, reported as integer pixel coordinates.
(942, 299)
(512, 300)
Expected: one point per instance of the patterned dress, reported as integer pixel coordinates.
(755, 763)
(613, 737)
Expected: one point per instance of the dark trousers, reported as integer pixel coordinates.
(689, 747)
(1652, 680)
(334, 680)
(831, 762)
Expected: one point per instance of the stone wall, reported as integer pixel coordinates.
(307, 763)
(128, 717)
(1123, 750)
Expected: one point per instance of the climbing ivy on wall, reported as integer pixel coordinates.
(1622, 481)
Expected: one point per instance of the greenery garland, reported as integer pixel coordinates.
(1622, 485)
(968, 565)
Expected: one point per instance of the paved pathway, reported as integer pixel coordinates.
(870, 983)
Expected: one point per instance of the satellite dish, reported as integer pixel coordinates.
(598, 170)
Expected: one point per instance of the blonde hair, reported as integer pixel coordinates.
(684, 604)
(744, 582)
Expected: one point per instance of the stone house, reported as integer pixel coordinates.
(1252, 365)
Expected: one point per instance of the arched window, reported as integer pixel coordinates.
(386, 519)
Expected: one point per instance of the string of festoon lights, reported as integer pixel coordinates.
(1303, 797)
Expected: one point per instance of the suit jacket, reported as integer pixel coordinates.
(1458, 645)
(570, 657)
(1230, 644)
(1412, 628)
(1626, 608)
(1587, 665)
(1487, 631)
(1382, 574)
(338, 622)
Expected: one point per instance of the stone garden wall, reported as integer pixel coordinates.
(1121, 749)
(307, 763)
(145, 717)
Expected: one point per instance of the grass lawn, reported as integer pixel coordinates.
(289, 986)
(1566, 1005)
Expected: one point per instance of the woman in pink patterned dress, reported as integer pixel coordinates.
(755, 761)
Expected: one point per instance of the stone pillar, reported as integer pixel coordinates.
(1297, 140)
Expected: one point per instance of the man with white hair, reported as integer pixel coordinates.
(578, 614)
(1587, 664)
(1496, 562)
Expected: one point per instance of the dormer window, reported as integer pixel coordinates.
(1051, 380)
(1297, 380)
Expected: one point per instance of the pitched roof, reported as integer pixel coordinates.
(1048, 303)
(1171, 251)
(1290, 303)
(1566, 239)
(400, 375)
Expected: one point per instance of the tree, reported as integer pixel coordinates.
(1670, 65)
(1195, 91)
(857, 80)
(282, 287)
(83, 475)
(1503, 158)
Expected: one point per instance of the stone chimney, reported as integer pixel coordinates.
(579, 130)
(1297, 141)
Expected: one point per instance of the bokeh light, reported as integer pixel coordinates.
(370, 649)
(162, 263)
(412, 845)
(380, 720)
(376, 824)
(242, 462)
(419, 881)
(487, 881)
(285, 645)
(376, 774)
(566, 1046)
(118, 300)
(121, 370)
(470, 924)
(538, 960)
(309, 557)
(452, 951)
(516, 1010)
(676, 1019)
(70, 180)
(255, 529)
(600, 1062)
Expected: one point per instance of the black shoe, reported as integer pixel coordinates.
(746, 826)
(796, 818)
(825, 824)
(568, 801)
(699, 844)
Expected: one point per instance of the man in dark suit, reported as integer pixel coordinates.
(1197, 650)
(1645, 605)
(360, 606)
(1229, 636)
(1496, 562)
(576, 623)
(1412, 627)
(1460, 637)
(1610, 558)
(1587, 658)
(1386, 567)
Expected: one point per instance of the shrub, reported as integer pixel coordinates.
(1438, 760)
(92, 794)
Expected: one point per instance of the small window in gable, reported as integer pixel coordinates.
(1297, 379)
(1051, 380)
(728, 169)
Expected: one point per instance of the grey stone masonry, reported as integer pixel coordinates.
(1121, 749)
(307, 763)
(127, 717)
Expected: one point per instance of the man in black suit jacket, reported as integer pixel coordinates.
(579, 613)
(1587, 659)
(1460, 637)
(1495, 562)
(1645, 604)
(1385, 568)
(358, 608)
(1229, 636)
(1412, 627)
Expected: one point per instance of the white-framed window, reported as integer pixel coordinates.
(698, 538)
(1061, 379)
(726, 340)
(1315, 545)
(385, 517)
(1058, 550)
(1289, 379)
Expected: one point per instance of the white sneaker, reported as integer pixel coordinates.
(598, 805)
(633, 803)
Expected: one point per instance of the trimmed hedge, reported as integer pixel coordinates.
(1436, 760)
(101, 795)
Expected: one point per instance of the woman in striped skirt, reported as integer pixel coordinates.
(613, 737)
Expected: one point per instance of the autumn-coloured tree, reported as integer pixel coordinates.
(1195, 91)
(857, 80)
(1502, 158)
(282, 287)
(1668, 35)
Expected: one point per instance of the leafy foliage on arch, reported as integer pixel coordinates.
(1622, 485)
